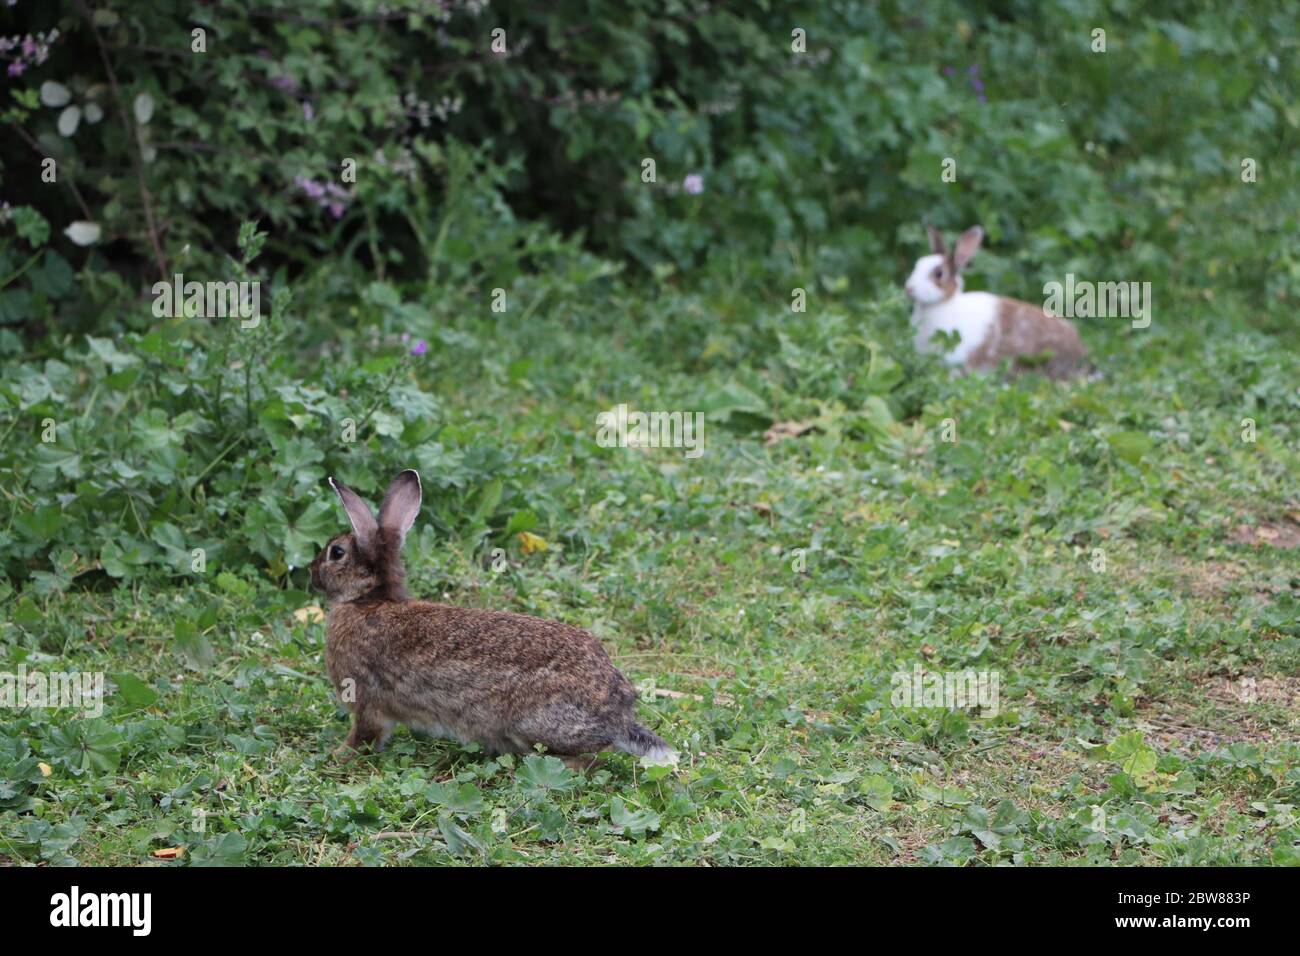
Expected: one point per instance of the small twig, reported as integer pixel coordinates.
(213, 463)
(150, 49)
(23, 268)
(720, 697)
(384, 835)
(132, 133)
(27, 138)
(383, 392)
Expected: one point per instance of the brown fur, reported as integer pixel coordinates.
(505, 681)
(1023, 331)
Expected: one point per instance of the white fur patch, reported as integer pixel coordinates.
(660, 757)
(921, 285)
(970, 314)
(435, 729)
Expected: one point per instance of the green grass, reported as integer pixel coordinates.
(1083, 541)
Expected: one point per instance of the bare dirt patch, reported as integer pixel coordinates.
(1276, 534)
(1207, 579)
(1027, 770)
(1250, 690)
(1228, 710)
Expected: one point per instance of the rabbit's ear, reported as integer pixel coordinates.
(968, 243)
(401, 504)
(936, 241)
(363, 521)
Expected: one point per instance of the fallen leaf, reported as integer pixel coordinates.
(780, 431)
(169, 853)
(530, 543)
(311, 614)
(44, 769)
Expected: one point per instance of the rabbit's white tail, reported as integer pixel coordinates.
(643, 743)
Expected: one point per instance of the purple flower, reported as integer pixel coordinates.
(328, 196)
(693, 184)
(420, 347)
(947, 71)
(284, 83)
(308, 113)
(16, 68)
(309, 186)
(974, 69)
(983, 98)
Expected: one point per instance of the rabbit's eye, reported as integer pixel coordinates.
(336, 553)
(938, 273)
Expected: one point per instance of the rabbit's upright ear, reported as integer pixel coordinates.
(936, 241)
(363, 521)
(401, 504)
(968, 243)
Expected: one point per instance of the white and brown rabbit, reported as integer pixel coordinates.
(992, 328)
(505, 681)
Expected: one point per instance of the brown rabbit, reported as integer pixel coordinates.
(505, 681)
(991, 328)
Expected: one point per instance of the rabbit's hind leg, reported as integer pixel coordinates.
(566, 729)
(584, 763)
(371, 729)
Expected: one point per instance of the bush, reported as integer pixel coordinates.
(1097, 156)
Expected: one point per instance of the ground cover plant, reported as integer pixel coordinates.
(1119, 550)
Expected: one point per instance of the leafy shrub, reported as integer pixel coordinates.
(1085, 158)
